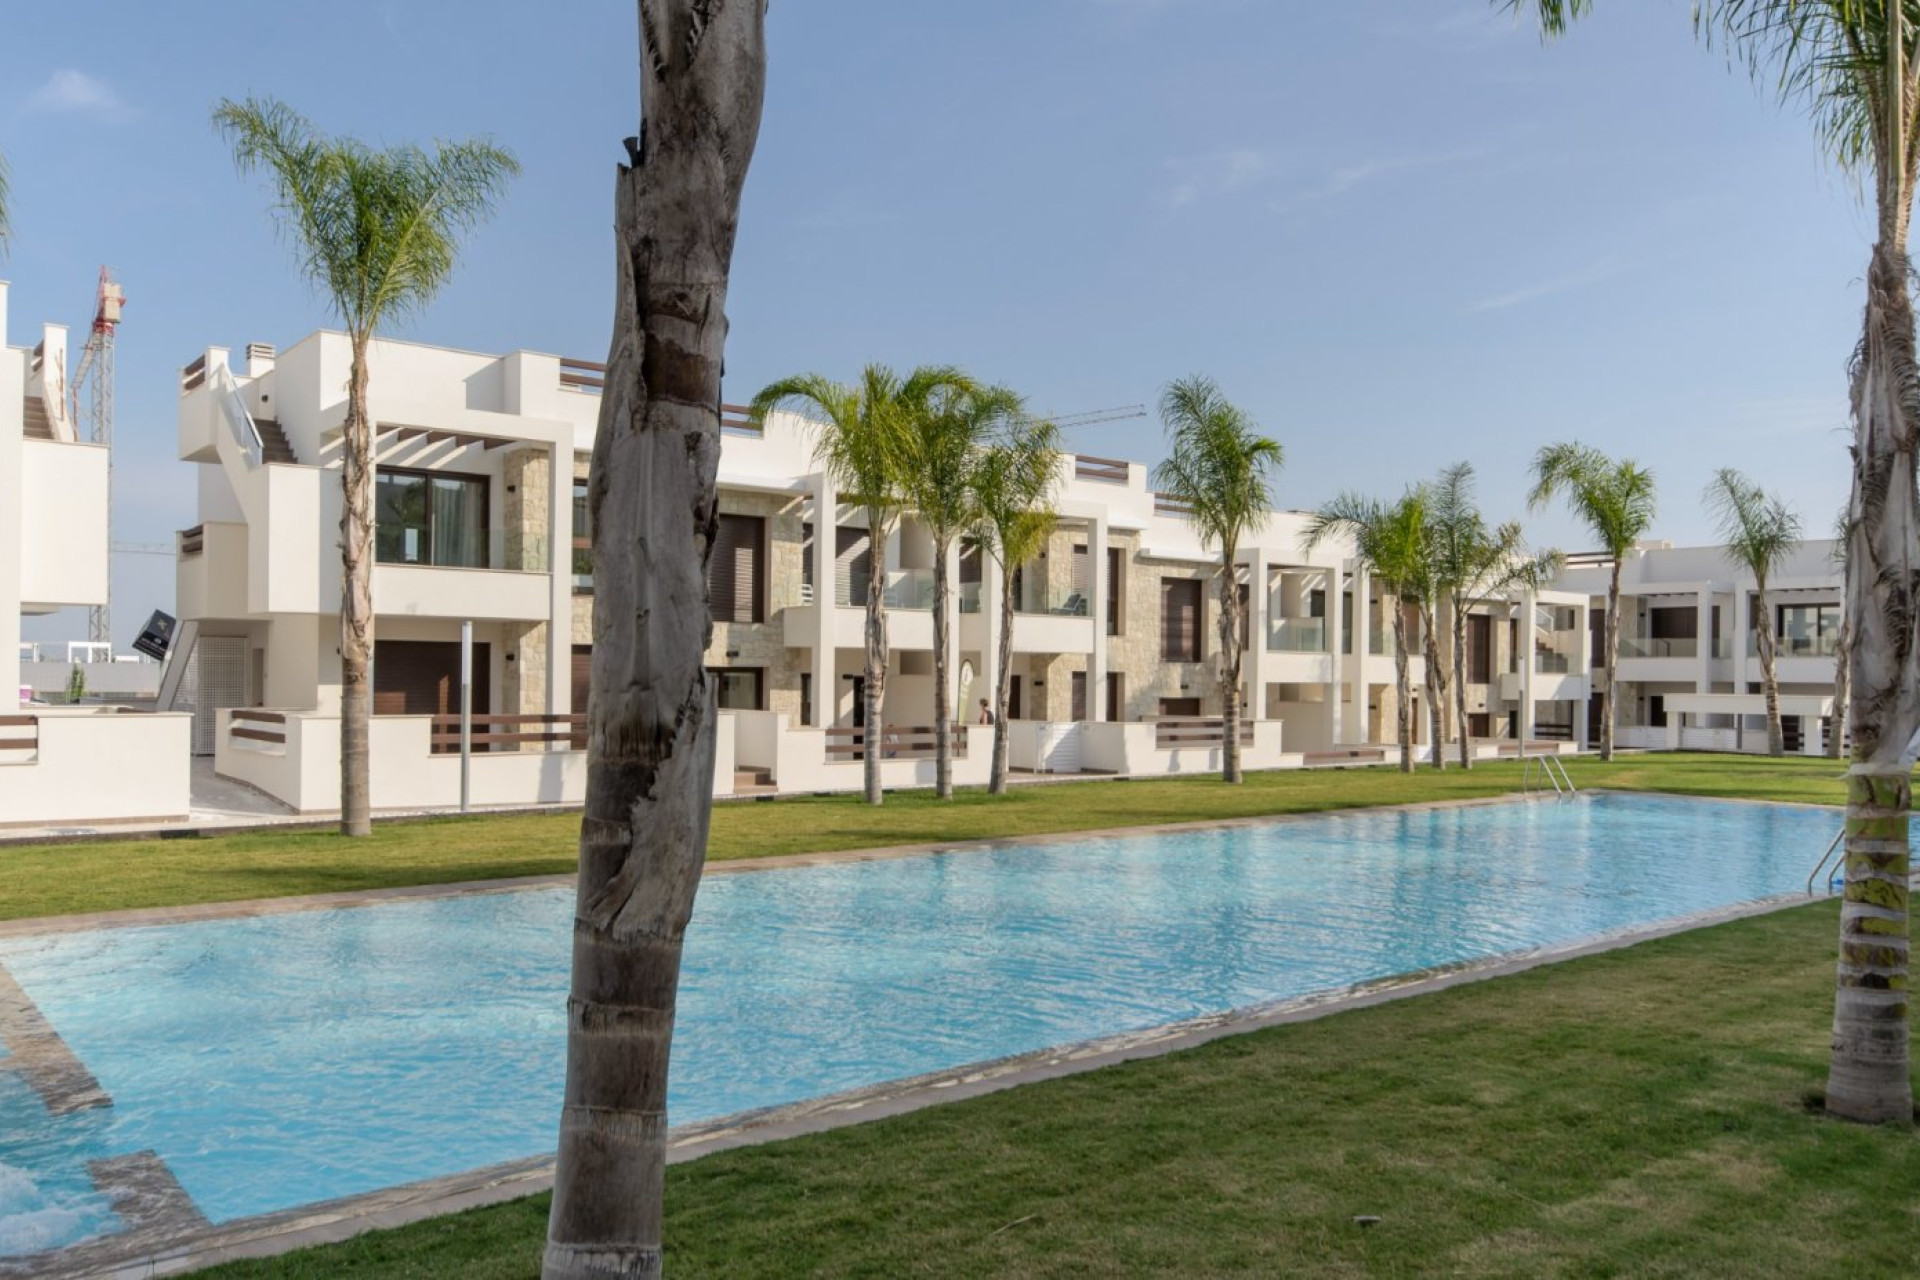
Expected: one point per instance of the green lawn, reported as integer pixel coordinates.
(56, 879)
(1639, 1113)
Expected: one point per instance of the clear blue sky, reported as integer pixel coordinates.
(1399, 232)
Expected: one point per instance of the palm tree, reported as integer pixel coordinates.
(1616, 501)
(651, 723)
(1760, 531)
(1856, 66)
(1013, 519)
(1393, 543)
(862, 444)
(940, 451)
(378, 233)
(1474, 566)
(1218, 466)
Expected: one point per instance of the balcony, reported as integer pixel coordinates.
(1556, 653)
(1659, 647)
(1824, 645)
(1297, 635)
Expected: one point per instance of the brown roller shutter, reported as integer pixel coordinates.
(1082, 580)
(422, 677)
(734, 572)
(1180, 619)
(582, 693)
(852, 564)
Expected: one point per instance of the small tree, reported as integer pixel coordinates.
(862, 445)
(1393, 542)
(378, 232)
(1014, 517)
(1616, 500)
(941, 451)
(1475, 566)
(1760, 531)
(1218, 467)
(76, 684)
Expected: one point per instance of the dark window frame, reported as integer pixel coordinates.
(425, 473)
(759, 686)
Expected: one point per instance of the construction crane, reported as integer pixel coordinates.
(1068, 421)
(96, 375)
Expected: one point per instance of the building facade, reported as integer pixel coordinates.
(1689, 664)
(53, 554)
(482, 518)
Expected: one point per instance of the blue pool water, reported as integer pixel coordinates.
(287, 1059)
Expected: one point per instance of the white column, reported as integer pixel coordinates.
(12, 429)
(826, 675)
(1097, 708)
(1528, 607)
(954, 709)
(1582, 711)
(559, 579)
(1362, 651)
(1703, 624)
(1336, 660)
(1742, 609)
(990, 597)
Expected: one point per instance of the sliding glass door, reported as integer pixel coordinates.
(430, 518)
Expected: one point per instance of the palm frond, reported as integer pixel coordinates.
(1218, 464)
(1760, 531)
(1616, 500)
(377, 231)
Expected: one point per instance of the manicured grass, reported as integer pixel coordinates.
(1639, 1113)
(55, 879)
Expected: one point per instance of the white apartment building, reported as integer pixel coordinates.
(53, 554)
(1689, 665)
(481, 517)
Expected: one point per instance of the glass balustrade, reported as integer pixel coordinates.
(1659, 646)
(1297, 635)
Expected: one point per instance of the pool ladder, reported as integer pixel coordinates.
(1552, 772)
(1821, 865)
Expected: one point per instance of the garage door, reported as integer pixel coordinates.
(422, 677)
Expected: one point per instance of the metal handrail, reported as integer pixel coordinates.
(1820, 866)
(1552, 769)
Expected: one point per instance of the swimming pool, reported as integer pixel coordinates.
(285, 1059)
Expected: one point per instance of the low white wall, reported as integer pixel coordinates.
(801, 763)
(1130, 748)
(755, 738)
(305, 773)
(101, 766)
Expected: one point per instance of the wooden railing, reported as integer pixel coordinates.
(193, 540)
(735, 420)
(19, 733)
(504, 729)
(1165, 504)
(897, 742)
(250, 724)
(1101, 470)
(193, 375)
(583, 375)
(1509, 747)
(1196, 731)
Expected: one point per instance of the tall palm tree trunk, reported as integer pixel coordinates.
(942, 696)
(356, 603)
(1230, 667)
(1403, 685)
(1002, 688)
(1769, 680)
(1869, 1074)
(874, 744)
(654, 507)
(1460, 684)
(1436, 683)
(1612, 656)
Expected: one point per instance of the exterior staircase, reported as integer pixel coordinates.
(274, 446)
(35, 418)
(753, 782)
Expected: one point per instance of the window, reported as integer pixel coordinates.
(430, 518)
(1809, 630)
(734, 573)
(1180, 607)
(1657, 711)
(1116, 696)
(806, 697)
(1246, 617)
(1479, 650)
(737, 688)
(1116, 577)
(1078, 711)
(852, 565)
(582, 542)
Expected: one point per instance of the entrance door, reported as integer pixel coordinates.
(1013, 699)
(220, 670)
(1079, 711)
